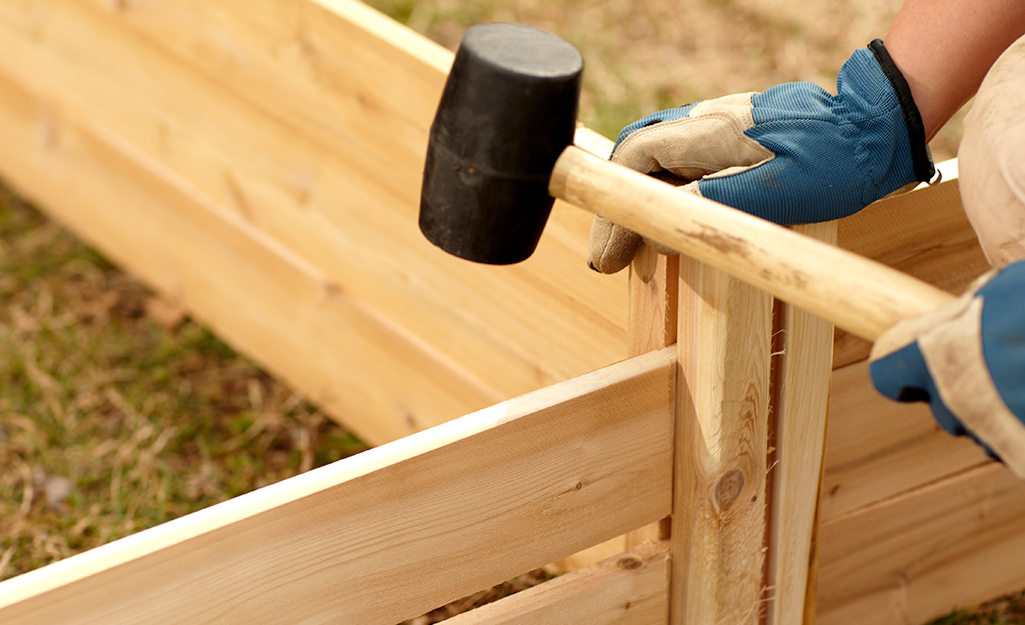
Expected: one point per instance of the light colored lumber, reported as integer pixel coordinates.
(796, 456)
(654, 287)
(361, 90)
(719, 514)
(253, 292)
(877, 449)
(652, 326)
(924, 233)
(309, 122)
(335, 71)
(654, 296)
(627, 589)
(916, 557)
(393, 532)
(797, 269)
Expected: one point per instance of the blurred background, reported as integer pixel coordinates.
(118, 413)
(645, 56)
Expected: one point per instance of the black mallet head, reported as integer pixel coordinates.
(508, 110)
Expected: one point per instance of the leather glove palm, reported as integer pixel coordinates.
(791, 154)
(967, 359)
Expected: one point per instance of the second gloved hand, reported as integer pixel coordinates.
(967, 360)
(791, 154)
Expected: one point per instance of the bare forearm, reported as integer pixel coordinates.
(945, 47)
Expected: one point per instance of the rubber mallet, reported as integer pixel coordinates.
(500, 151)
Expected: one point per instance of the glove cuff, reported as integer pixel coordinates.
(921, 160)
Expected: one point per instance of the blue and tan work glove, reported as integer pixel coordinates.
(967, 359)
(791, 154)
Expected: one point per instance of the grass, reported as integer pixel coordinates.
(644, 56)
(111, 422)
(1007, 611)
(118, 414)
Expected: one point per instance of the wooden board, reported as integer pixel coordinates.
(800, 402)
(654, 297)
(398, 530)
(877, 449)
(308, 121)
(719, 510)
(924, 233)
(253, 292)
(917, 556)
(914, 522)
(628, 589)
(654, 291)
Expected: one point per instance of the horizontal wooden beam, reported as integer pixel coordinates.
(395, 531)
(628, 589)
(924, 233)
(913, 558)
(877, 449)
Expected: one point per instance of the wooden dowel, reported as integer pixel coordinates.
(857, 294)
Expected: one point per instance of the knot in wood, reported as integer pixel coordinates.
(729, 488)
(630, 563)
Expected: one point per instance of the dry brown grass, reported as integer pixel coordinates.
(644, 56)
(111, 422)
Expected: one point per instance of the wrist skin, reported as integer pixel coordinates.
(945, 47)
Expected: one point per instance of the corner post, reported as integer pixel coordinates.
(721, 437)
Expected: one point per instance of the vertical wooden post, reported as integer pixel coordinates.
(654, 284)
(719, 514)
(651, 325)
(653, 298)
(802, 372)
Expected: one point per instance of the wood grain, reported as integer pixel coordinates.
(630, 588)
(245, 286)
(800, 405)
(654, 287)
(719, 513)
(924, 233)
(398, 530)
(877, 449)
(309, 122)
(654, 297)
(953, 543)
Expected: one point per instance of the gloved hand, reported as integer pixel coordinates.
(791, 154)
(967, 359)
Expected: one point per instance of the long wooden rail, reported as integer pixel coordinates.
(394, 532)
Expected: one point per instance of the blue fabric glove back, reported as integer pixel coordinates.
(792, 154)
(824, 156)
(968, 361)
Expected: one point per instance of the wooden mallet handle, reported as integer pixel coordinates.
(856, 294)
